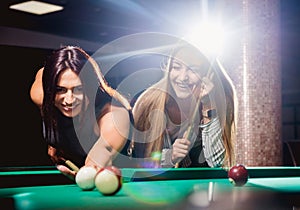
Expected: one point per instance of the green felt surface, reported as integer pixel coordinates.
(167, 191)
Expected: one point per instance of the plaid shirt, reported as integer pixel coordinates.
(207, 147)
(212, 143)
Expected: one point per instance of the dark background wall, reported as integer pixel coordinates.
(21, 139)
(290, 71)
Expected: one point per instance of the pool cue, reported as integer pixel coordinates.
(189, 132)
(71, 165)
(103, 83)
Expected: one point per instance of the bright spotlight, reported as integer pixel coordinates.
(208, 37)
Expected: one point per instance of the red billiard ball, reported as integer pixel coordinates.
(238, 175)
(108, 180)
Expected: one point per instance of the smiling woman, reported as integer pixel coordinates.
(187, 118)
(69, 95)
(76, 112)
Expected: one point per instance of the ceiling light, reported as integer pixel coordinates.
(36, 7)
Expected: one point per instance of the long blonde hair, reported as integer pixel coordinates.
(149, 112)
(230, 117)
(150, 127)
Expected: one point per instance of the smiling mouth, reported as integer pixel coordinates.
(183, 85)
(69, 108)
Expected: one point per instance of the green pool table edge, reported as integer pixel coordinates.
(25, 177)
(51, 176)
(204, 173)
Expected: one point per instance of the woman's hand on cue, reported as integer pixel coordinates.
(66, 171)
(180, 149)
(207, 85)
(59, 161)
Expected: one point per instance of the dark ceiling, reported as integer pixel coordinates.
(92, 23)
(100, 21)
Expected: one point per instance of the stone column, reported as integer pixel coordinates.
(252, 59)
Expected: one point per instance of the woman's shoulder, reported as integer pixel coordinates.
(109, 108)
(36, 90)
(115, 116)
(120, 110)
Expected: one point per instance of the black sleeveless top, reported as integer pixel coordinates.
(75, 137)
(68, 142)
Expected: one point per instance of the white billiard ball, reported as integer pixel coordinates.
(108, 180)
(85, 177)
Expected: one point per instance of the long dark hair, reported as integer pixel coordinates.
(67, 57)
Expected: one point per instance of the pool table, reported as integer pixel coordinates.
(180, 188)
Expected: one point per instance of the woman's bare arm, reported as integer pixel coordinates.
(114, 130)
(36, 91)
